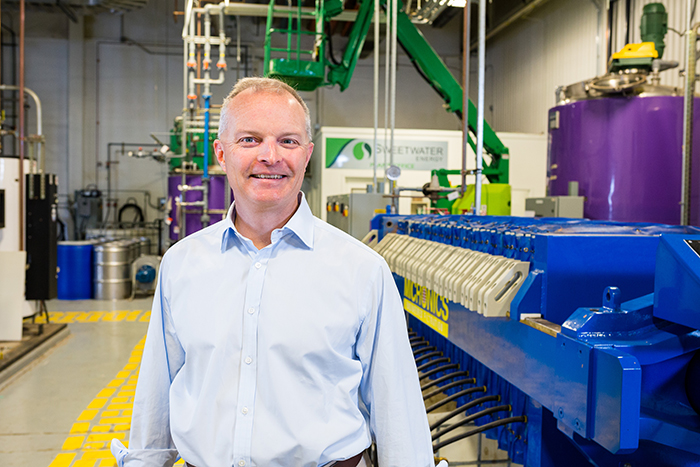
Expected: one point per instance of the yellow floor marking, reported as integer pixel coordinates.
(80, 428)
(85, 463)
(73, 442)
(95, 316)
(94, 438)
(107, 416)
(87, 415)
(97, 404)
(106, 392)
(62, 460)
(133, 315)
(120, 406)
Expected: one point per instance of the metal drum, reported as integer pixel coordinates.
(75, 267)
(112, 270)
(145, 244)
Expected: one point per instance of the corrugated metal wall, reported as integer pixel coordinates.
(556, 45)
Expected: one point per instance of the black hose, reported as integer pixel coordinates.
(455, 396)
(417, 341)
(424, 349)
(488, 426)
(437, 353)
(412, 334)
(453, 384)
(464, 408)
(451, 366)
(432, 362)
(136, 207)
(470, 418)
(443, 378)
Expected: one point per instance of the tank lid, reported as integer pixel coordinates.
(625, 83)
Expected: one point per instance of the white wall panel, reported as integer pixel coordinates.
(554, 46)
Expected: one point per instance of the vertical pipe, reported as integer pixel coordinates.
(688, 116)
(394, 58)
(480, 113)
(375, 147)
(465, 96)
(21, 125)
(387, 67)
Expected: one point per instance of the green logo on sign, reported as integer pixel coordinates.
(361, 150)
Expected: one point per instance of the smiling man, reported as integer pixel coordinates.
(275, 339)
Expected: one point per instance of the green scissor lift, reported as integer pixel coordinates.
(309, 69)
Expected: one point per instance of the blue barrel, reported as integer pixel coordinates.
(74, 261)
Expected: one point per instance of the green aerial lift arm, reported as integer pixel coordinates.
(426, 60)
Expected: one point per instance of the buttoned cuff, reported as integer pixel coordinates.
(142, 457)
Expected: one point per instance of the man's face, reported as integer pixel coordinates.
(264, 151)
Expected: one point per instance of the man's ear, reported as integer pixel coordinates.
(219, 151)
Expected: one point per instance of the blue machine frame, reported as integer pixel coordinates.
(600, 348)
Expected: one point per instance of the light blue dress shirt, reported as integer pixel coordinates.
(294, 355)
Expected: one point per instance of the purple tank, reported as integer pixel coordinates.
(626, 154)
(217, 200)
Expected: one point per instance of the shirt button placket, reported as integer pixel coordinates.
(247, 385)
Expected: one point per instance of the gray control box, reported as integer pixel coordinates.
(353, 212)
(556, 206)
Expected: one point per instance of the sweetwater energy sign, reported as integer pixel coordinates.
(352, 153)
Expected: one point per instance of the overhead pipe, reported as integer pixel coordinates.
(394, 59)
(39, 122)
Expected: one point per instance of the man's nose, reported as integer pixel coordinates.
(269, 152)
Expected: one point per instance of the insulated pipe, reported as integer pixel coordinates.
(205, 164)
(207, 62)
(480, 116)
(465, 96)
(688, 116)
(221, 64)
(21, 125)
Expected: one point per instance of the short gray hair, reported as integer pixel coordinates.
(258, 84)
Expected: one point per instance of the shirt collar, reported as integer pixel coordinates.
(301, 224)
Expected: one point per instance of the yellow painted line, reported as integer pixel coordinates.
(120, 406)
(87, 415)
(106, 417)
(80, 428)
(62, 460)
(70, 317)
(73, 442)
(106, 392)
(97, 404)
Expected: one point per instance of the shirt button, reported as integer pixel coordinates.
(244, 410)
(251, 310)
(248, 360)
(241, 462)
(258, 265)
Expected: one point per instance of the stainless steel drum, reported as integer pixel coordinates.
(145, 244)
(112, 270)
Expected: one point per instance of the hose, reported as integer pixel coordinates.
(443, 378)
(451, 366)
(470, 418)
(453, 384)
(432, 362)
(437, 353)
(464, 408)
(424, 349)
(455, 396)
(488, 426)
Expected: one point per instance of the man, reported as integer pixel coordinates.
(275, 339)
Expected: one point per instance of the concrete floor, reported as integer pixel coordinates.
(39, 406)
